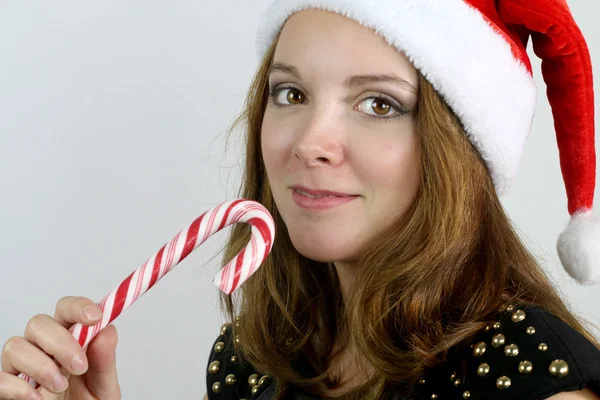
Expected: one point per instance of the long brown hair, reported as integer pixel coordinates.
(428, 285)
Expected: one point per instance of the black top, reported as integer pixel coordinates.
(527, 354)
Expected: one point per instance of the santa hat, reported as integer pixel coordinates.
(474, 54)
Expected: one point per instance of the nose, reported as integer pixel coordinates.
(319, 143)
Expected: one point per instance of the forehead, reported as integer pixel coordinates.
(316, 39)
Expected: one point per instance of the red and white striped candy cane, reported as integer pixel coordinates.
(228, 279)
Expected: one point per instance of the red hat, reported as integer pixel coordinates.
(474, 54)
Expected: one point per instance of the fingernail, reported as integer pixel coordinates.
(36, 396)
(92, 312)
(78, 364)
(60, 382)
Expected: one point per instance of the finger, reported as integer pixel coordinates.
(101, 377)
(45, 332)
(72, 309)
(101, 351)
(12, 387)
(19, 355)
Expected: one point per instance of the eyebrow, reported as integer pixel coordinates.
(352, 81)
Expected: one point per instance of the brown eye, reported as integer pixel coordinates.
(294, 96)
(380, 107)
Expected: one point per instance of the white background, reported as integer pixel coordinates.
(112, 124)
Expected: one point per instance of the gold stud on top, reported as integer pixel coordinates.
(457, 382)
(483, 369)
(224, 328)
(219, 346)
(559, 368)
(479, 349)
(498, 340)
(503, 382)
(543, 347)
(518, 316)
(237, 339)
(237, 318)
(510, 307)
(496, 325)
(213, 367)
(233, 359)
(253, 379)
(530, 330)
(466, 394)
(422, 381)
(230, 379)
(216, 387)
(525, 367)
(262, 380)
(255, 389)
(453, 376)
(434, 396)
(511, 350)
(487, 328)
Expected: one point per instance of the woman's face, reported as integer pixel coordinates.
(338, 137)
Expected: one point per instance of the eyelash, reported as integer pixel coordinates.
(388, 100)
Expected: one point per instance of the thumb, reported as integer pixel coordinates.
(101, 376)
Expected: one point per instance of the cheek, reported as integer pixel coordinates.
(269, 146)
(276, 146)
(395, 171)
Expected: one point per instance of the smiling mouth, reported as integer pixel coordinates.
(320, 199)
(319, 193)
(316, 196)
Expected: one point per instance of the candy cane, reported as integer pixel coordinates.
(228, 279)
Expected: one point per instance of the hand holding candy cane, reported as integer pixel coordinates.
(228, 279)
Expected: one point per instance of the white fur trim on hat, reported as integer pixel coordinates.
(579, 248)
(459, 53)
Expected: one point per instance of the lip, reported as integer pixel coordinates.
(306, 202)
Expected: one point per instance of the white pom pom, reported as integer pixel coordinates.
(579, 248)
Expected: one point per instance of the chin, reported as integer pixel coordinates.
(321, 250)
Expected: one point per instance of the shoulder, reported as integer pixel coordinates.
(526, 353)
(228, 375)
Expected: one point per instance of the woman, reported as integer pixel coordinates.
(395, 272)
